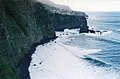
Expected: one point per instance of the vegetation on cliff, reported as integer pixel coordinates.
(24, 23)
(20, 28)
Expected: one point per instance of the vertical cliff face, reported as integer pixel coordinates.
(23, 25)
(65, 18)
(68, 21)
(20, 28)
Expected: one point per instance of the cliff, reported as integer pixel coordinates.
(20, 28)
(65, 18)
(25, 24)
(68, 21)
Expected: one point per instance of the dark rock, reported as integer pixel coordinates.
(34, 65)
(91, 31)
(70, 22)
(84, 29)
(97, 31)
(104, 31)
(101, 32)
(52, 40)
(41, 62)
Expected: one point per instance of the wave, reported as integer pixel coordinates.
(68, 62)
(71, 31)
(94, 18)
(108, 41)
(98, 34)
(95, 62)
(118, 30)
(68, 32)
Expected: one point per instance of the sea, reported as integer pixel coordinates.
(108, 43)
(83, 56)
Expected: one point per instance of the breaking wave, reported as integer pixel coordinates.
(95, 62)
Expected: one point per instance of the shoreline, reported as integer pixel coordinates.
(62, 61)
(25, 62)
(53, 63)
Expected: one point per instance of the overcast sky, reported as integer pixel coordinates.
(91, 5)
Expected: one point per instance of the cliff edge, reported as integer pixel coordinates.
(24, 24)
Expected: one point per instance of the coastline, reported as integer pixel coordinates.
(25, 62)
(24, 23)
(64, 61)
(57, 60)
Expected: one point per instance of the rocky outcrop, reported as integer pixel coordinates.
(84, 29)
(69, 21)
(65, 18)
(91, 31)
(25, 24)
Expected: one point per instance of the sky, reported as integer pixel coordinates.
(91, 5)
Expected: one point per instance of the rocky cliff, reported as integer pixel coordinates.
(65, 18)
(21, 26)
(25, 24)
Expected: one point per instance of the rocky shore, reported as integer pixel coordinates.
(25, 62)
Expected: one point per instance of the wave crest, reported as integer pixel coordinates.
(95, 62)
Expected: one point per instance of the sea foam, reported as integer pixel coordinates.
(55, 60)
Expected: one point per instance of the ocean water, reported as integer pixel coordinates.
(81, 56)
(108, 43)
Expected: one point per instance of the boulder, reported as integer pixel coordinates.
(91, 31)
